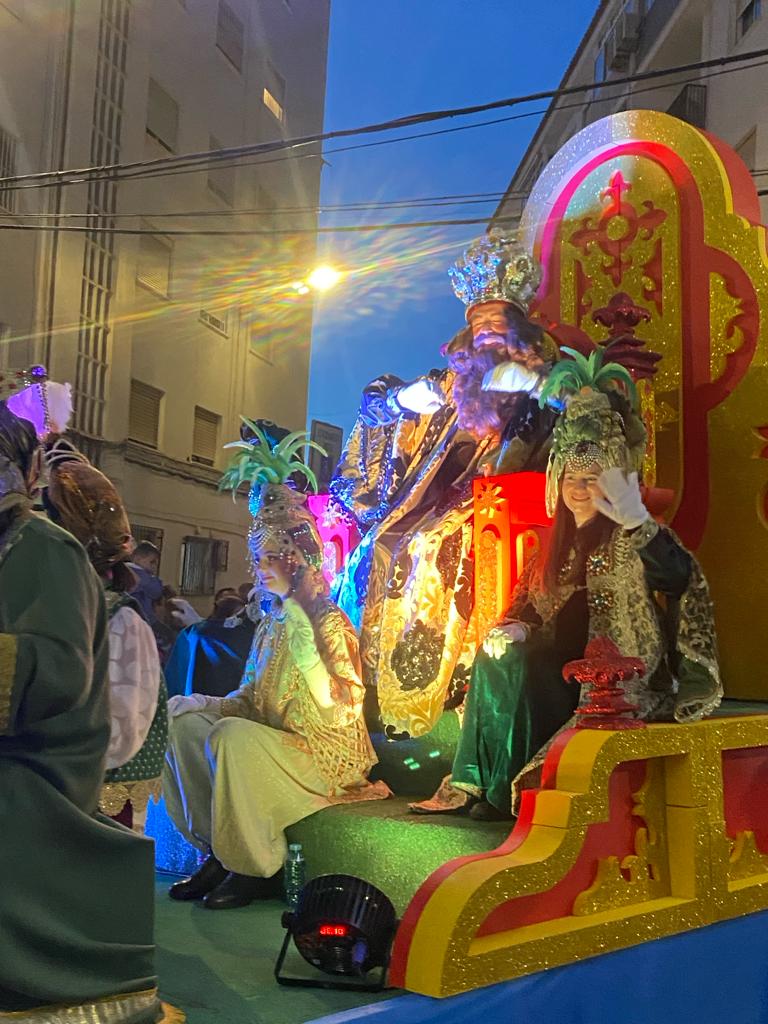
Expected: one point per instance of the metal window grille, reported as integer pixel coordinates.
(94, 339)
(153, 267)
(150, 533)
(221, 180)
(144, 413)
(199, 560)
(7, 170)
(230, 35)
(162, 116)
(690, 105)
(205, 436)
(747, 149)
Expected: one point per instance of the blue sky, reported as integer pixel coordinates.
(388, 59)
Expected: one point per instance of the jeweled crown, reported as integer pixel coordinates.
(496, 268)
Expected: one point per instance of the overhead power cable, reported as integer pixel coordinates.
(470, 199)
(116, 170)
(255, 232)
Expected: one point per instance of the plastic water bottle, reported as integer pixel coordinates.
(295, 872)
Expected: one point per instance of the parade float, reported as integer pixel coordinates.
(634, 883)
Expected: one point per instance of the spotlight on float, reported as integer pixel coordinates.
(323, 278)
(344, 927)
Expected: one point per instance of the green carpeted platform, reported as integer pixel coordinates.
(217, 966)
(385, 844)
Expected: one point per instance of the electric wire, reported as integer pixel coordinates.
(81, 175)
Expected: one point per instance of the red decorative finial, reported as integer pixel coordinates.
(621, 316)
(602, 670)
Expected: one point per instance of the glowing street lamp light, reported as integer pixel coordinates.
(324, 278)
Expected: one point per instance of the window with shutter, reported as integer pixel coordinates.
(198, 565)
(205, 436)
(162, 117)
(7, 170)
(153, 267)
(221, 179)
(230, 35)
(144, 414)
(274, 92)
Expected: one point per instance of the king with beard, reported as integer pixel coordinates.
(405, 477)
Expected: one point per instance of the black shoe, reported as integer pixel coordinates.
(207, 877)
(240, 890)
(483, 811)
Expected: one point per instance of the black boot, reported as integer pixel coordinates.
(483, 811)
(240, 890)
(207, 877)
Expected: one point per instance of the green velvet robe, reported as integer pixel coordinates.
(517, 703)
(76, 912)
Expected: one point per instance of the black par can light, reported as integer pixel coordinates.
(344, 927)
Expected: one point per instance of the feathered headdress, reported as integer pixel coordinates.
(279, 511)
(600, 423)
(30, 395)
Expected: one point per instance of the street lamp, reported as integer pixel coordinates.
(324, 278)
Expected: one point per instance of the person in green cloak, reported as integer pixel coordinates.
(76, 915)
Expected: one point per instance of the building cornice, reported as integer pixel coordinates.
(149, 458)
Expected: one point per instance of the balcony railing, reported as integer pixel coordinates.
(690, 105)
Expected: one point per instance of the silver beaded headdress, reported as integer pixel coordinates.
(592, 430)
(497, 268)
(30, 395)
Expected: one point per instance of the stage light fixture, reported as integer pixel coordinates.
(344, 927)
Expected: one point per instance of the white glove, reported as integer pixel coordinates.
(512, 377)
(181, 705)
(423, 397)
(499, 638)
(301, 640)
(183, 612)
(622, 502)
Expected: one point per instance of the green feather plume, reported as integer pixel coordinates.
(261, 463)
(569, 376)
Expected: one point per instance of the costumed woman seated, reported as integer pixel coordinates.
(291, 741)
(608, 570)
(76, 912)
(84, 501)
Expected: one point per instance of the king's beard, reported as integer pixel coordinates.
(482, 413)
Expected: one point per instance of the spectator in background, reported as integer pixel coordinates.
(209, 656)
(250, 596)
(179, 613)
(145, 563)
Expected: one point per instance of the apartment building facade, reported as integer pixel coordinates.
(167, 337)
(627, 37)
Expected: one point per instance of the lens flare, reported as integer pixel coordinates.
(323, 278)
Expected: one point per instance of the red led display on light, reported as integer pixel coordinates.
(337, 930)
